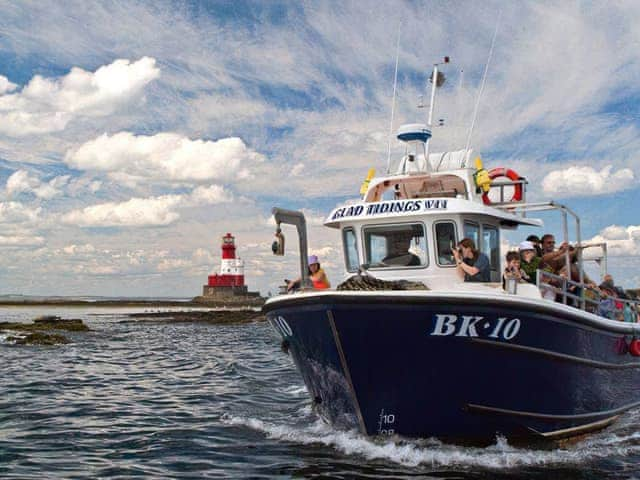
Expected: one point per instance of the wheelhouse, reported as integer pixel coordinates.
(415, 238)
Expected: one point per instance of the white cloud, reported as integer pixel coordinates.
(21, 241)
(16, 212)
(144, 212)
(48, 105)
(22, 182)
(172, 264)
(6, 85)
(74, 249)
(615, 232)
(209, 195)
(165, 157)
(136, 212)
(621, 241)
(297, 169)
(584, 180)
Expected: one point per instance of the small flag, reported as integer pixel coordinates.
(365, 184)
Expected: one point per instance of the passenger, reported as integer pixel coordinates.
(553, 260)
(536, 244)
(398, 253)
(529, 261)
(609, 285)
(607, 307)
(316, 274)
(574, 288)
(513, 270)
(471, 264)
(628, 313)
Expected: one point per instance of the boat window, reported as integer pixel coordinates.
(350, 249)
(491, 245)
(445, 238)
(472, 231)
(395, 245)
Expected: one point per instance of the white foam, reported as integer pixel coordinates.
(501, 455)
(295, 390)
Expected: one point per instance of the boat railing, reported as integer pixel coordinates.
(508, 198)
(587, 297)
(565, 211)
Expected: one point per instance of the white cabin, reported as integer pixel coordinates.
(407, 223)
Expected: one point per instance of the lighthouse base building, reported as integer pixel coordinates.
(228, 286)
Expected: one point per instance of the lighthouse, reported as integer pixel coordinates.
(228, 285)
(231, 268)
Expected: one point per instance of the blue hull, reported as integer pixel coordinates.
(458, 368)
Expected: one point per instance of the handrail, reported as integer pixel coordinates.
(542, 206)
(562, 285)
(509, 183)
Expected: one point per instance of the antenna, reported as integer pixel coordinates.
(484, 78)
(393, 102)
(437, 80)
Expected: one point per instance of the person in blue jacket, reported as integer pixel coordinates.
(471, 264)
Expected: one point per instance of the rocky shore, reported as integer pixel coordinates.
(210, 316)
(49, 329)
(199, 302)
(43, 331)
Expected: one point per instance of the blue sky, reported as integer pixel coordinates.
(133, 135)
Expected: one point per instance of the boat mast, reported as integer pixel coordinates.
(437, 80)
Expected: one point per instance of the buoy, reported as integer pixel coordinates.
(511, 175)
(634, 347)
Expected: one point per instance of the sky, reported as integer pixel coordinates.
(134, 135)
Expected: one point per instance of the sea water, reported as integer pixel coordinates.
(152, 399)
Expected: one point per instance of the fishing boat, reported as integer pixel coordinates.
(404, 346)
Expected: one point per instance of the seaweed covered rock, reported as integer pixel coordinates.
(34, 333)
(39, 338)
(46, 323)
(210, 316)
(52, 322)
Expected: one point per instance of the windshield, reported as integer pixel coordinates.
(395, 246)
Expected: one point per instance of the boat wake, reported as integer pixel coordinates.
(437, 455)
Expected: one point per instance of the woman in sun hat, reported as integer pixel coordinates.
(316, 274)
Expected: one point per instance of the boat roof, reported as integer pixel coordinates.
(418, 207)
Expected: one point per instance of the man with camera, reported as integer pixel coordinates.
(471, 264)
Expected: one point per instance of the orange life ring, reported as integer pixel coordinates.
(511, 175)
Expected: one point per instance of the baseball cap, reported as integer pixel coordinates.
(526, 246)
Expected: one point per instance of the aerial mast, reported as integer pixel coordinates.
(437, 80)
